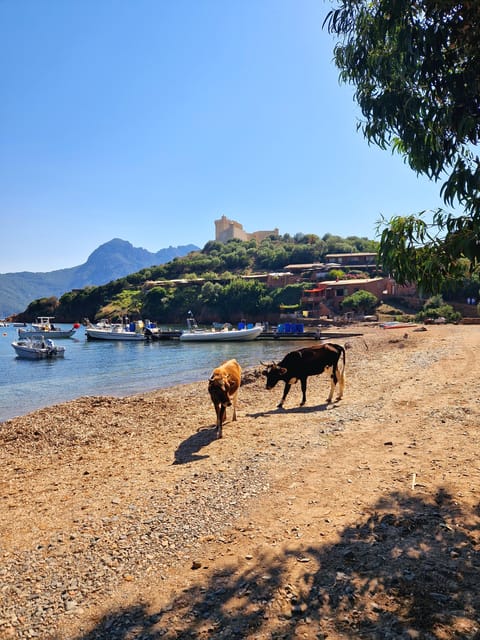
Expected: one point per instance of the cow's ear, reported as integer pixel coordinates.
(282, 370)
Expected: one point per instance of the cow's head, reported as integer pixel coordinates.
(218, 386)
(274, 373)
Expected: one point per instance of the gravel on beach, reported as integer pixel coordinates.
(109, 501)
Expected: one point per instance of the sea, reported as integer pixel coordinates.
(104, 368)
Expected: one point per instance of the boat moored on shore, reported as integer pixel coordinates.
(44, 328)
(226, 334)
(133, 331)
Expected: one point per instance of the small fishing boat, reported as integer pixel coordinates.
(103, 330)
(45, 328)
(397, 325)
(194, 334)
(37, 349)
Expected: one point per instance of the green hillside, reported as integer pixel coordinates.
(210, 282)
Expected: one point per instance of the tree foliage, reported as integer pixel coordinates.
(435, 308)
(416, 71)
(360, 302)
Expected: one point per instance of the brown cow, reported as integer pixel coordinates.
(223, 387)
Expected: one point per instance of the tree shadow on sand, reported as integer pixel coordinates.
(187, 451)
(409, 569)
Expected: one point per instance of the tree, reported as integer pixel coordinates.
(210, 293)
(242, 299)
(360, 302)
(435, 308)
(41, 307)
(416, 70)
(155, 303)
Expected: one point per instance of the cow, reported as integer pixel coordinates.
(223, 387)
(309, 361)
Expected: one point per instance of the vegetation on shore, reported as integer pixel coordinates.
(415, 68)
(210, 282)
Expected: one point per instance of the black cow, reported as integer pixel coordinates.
(310, 361)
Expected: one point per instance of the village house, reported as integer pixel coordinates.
(362, 261)
(326, 296)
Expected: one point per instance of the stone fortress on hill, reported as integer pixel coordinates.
(226, 230)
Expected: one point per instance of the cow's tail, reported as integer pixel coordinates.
(343, 357)
(338, 372)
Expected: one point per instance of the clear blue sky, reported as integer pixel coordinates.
(148, 119)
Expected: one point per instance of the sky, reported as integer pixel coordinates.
(147, 120)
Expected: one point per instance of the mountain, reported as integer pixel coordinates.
(112, 260)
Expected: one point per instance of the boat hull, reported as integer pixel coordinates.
(113, 334)
(34, 351)
(41, 333)
(234, 335)
(44, 329)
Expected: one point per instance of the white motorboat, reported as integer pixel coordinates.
(106, 331)
(44, 328)
(37, 348)
(194, 334)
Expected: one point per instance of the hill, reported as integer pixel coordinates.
(110, 261)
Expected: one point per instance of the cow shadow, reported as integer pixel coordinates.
(187, 451)
(325, 406)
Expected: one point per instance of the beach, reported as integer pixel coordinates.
(125, 518)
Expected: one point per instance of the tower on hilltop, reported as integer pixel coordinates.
(226, 230)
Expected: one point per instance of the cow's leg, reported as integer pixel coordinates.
(338, 377)
(341, 384)
(285, 394)
(333, 382)
(234, 404)
(332, 390)
(303, 382)
(222, 414)
(217, 413)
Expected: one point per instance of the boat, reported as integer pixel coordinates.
(397, 325)
(226, 334)
(37, 349)
(45, 328)
(105, 330)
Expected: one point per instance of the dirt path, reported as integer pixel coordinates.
(124, 518)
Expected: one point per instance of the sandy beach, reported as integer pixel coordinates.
(124, 518)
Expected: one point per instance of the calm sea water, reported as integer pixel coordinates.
(92, 368)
